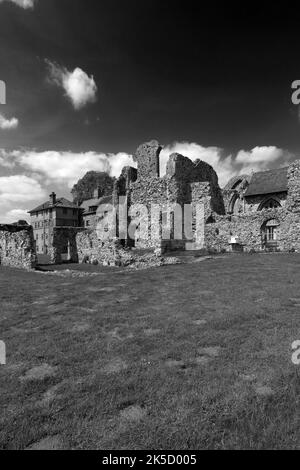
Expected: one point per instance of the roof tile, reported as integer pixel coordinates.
(268, 182)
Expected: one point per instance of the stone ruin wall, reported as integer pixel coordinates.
(185, 182)
(253, 202)
(64, 246)
(293, 199)
(17, 247)
(107, 252)
(247, 227)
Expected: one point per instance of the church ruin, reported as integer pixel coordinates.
(258, 212)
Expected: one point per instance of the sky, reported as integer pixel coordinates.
(88, 81)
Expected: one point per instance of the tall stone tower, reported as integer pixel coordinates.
(147, 158)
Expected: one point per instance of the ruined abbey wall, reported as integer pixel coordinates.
(254, 202)
(17, 248)
(107, 252)
(293, 199)
(247, 229)
(64, 245)
(185, 183)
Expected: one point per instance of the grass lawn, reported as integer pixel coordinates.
(191, 356)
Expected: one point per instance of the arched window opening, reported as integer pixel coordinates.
(235, 205)
(270, 203)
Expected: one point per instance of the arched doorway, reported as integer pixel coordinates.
(269, 234)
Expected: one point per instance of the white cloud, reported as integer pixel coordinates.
(118, 161)
(66, 167)
(16, 192)
(6, 159)
(77, 85)
(19, 188)
(262, 158)
(58, 170)
(14, 215)
(8, 124)
(257, 159)
(22, 3)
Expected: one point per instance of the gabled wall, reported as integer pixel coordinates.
(247, 226)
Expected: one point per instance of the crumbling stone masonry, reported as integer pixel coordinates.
(254, 212)
(17, 248)
(248, 230)
(64, 245)
(185, 183)
(94, 251)
(248, 224)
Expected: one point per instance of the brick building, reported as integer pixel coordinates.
(57, 212)
(90, 209)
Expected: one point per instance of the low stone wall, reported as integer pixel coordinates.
(17, 247)
(247, 228)
(107, 253)
(112, 253)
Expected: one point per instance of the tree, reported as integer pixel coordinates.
(93, 180)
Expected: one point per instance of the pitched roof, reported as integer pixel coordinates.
(61, 202)
(96, 202)
(268, 182)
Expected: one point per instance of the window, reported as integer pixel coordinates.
(270, 230)
(269, 204)
(65, 211)
(87, 223)
(271, 233)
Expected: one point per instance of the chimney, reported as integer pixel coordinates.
(52, 198)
